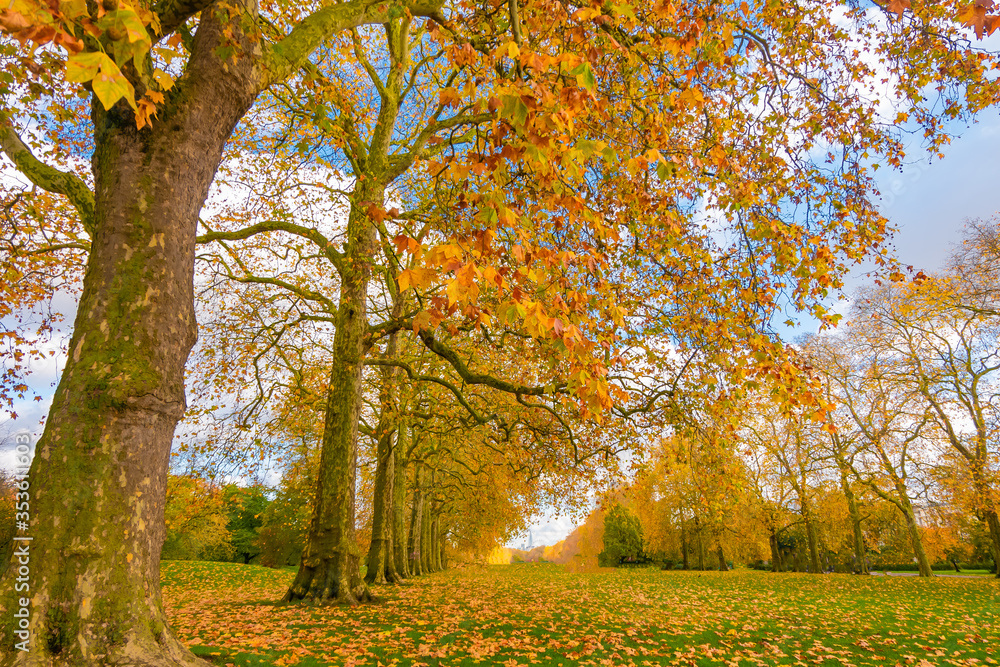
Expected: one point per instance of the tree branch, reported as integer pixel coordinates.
(293, 51)
(49, 178)
(173, 13)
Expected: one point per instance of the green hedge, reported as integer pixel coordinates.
(936, 567)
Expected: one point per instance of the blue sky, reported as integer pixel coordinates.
(929, 203)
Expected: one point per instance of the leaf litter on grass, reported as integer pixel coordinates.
(542, 615)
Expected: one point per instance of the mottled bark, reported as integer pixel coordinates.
(435, 549)
(860, 560)
(916, 541)
(723, 566)
(378, 551)
(329, 567)
(381, 568)
(425, 539)
(98, 479)
(701, 542)
(399, 509)
(416, 521)
(775, 551)
(684, 544)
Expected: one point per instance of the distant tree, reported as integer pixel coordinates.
(195, 516)
(282, 535)
(622, 536)
(245, 507)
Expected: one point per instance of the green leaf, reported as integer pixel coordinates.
(624, 10)
(588, 147)
(663, 170)
(111, 85)
(513, 108)
(83, 67)
(107, 81)
(128, 22)
(584, 76)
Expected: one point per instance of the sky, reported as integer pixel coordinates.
(929, 203)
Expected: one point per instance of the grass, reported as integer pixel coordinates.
(541, 615)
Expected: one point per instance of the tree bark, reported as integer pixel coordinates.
(416, 521)
(684, 544)
(923, 564)
(994, 525)
(379, 553)
(97, 483)
(329, 569)
(701, 543)
(988, 509)
(435, 548)
(425, 539)
(813, 546)
(861, 563)
(723, 566)
(381, 568)
(399, 508)
(775, 551)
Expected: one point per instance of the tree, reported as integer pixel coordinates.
(889, 421)
(948, 357)
(245, 507)
(195, 519)
(622, 537)
(100, 477)
(555, 72)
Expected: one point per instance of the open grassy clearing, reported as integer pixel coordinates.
(541, 615)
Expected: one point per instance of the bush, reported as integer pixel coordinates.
(936, 567)
(622, 538)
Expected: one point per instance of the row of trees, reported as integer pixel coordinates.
(471, 232)
(893, 458)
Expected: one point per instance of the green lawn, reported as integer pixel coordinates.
(541, 615)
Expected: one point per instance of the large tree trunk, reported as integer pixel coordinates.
(399, 508)
(442, 559)
(425, 538)
(684, 544)
(860, 562)
(701, 543)
(994, 525)
(391, 575)
(378, 552)
(814, 566)
(329, 567)
(416, 521)
(923, 564)
(435, 550)
(723, 567)
(98, 480)
(775, 552)
(988, 511)
(381, 568)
